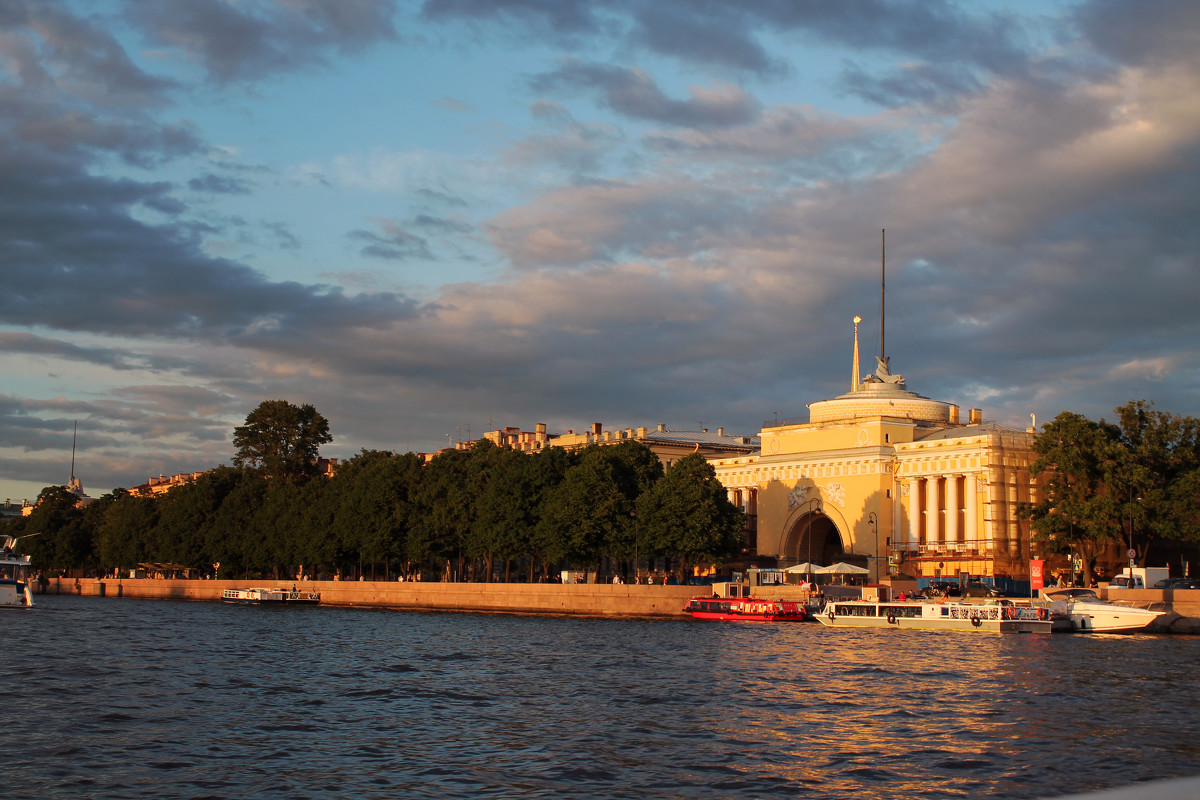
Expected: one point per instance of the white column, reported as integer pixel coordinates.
(914, 511)
(933, 512)
(897, 515)
(971, 504)
(995, 511)
(952, 532)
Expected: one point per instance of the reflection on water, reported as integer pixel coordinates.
(112, 698)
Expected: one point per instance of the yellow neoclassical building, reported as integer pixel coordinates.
(890, 480)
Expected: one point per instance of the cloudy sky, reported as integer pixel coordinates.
(432, 219)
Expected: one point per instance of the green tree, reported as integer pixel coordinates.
(444, 503)
(281, 440)
(1078, 511)
(592, 509)
(688, 515)
(127, 531)
(228, 536)
(372, 506)
(503, 514)
(1161, 454)
(66, 539)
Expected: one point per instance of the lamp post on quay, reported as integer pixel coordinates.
(816, 503)
(873, 521)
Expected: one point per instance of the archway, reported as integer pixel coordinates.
(813, 537)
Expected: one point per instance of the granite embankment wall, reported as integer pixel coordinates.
(585, 600)
(590, 600)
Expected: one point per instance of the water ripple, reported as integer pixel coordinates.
(119, 698)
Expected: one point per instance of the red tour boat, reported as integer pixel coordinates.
(750, 609)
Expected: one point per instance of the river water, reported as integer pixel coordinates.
(132, 698)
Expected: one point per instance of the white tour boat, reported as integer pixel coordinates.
(939, 616)
(14, 576)
(266, 595)
(1089, 614)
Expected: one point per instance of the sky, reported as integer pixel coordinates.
(434, 219)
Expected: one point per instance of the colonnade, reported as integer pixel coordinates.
(943, 513)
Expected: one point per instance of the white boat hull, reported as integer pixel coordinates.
(270, 596)
(936, 616)
(1108, 618)
(14, 594)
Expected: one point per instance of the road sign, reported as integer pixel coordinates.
(1132, 553)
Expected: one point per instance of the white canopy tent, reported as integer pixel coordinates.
(841, 568)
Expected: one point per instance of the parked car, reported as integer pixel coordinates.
(937, 589)
(1178, 583)
(980, 589)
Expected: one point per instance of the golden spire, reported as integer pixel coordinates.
(854, 379)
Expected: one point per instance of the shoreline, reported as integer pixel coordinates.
(581, 600)
(578, 600)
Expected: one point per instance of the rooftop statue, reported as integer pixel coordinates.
(882, 374)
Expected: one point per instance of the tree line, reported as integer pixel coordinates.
(483, 513)
(1129, 484)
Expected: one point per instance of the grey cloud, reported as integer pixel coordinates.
(76, 259)
(136, 432)
(563, 19)
(443, 225)
(246, 42)
(792, 144)
(575, 146)
(393, 243)
(718, 34)
(709, 35)
(934, 30)
(935, 85)
(75, 134)
(634, 94)
(441, 197)
(87, 61)
(582, 224)
(218, 184)
(114, 358)
(1141, 32)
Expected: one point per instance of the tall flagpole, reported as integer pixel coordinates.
(882, 289)
(74, 436)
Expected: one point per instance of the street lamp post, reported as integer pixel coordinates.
(637, 572)
(816, 503)
(873, 521)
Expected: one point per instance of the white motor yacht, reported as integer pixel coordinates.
(1089, 614)
(14, 576)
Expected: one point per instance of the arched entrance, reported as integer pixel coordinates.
(813, 537)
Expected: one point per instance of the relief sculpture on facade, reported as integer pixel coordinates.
(835, 492)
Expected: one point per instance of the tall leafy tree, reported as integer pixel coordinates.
(281, 440)
(592, 510)
(65, 538)
(444, 503)
(1078, 512)
(127, 533)
(500, 521)
(688, 514)
(1161, 454)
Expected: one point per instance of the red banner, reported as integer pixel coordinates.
(1036, 579)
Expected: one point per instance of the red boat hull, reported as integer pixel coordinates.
(746, 609)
